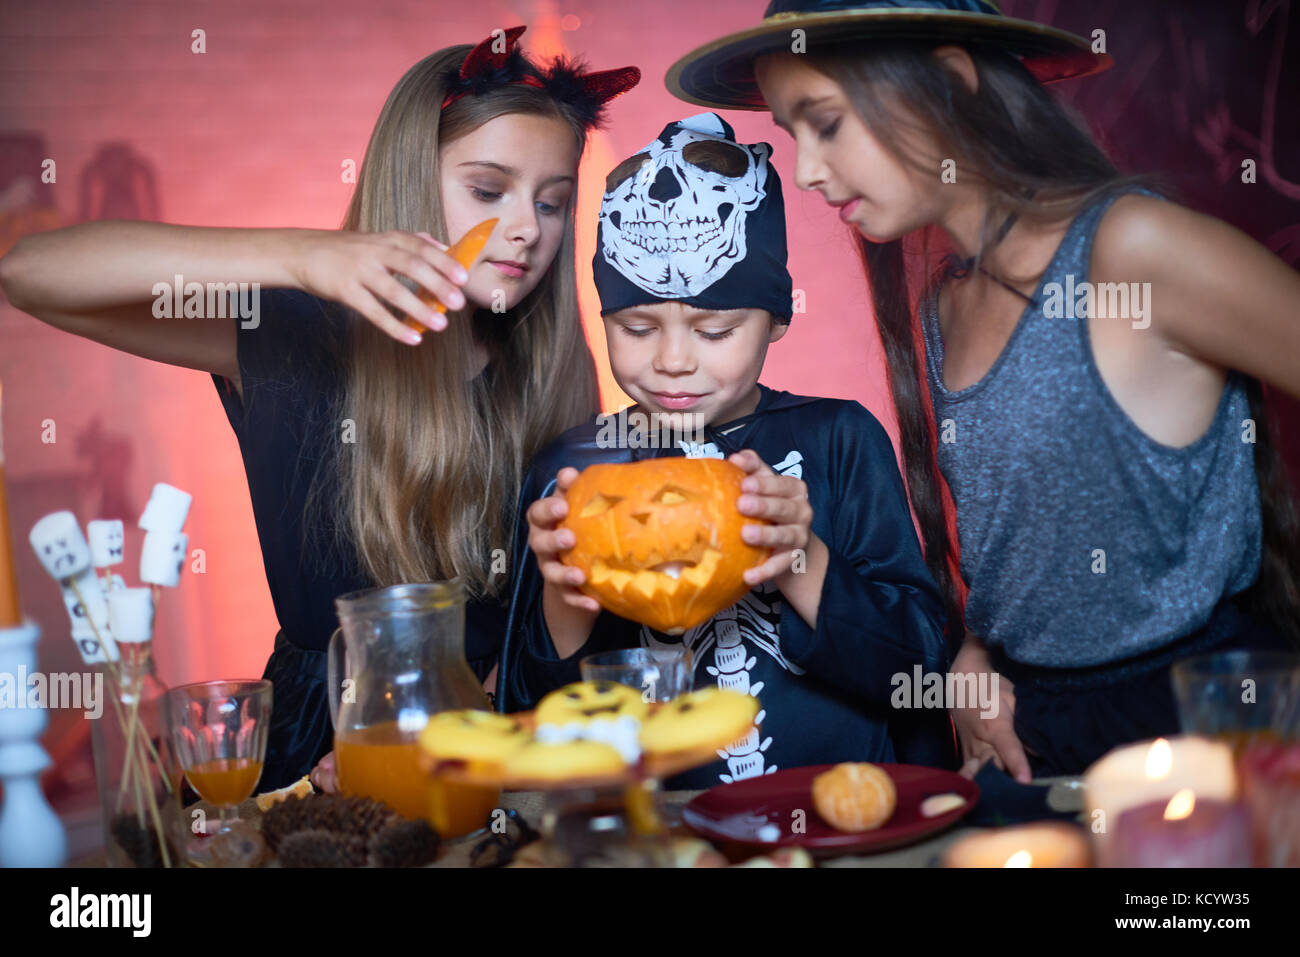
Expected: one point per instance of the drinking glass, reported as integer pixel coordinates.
(1239, 696)
(219, 730)
(661, 674)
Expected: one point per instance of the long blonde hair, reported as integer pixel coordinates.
(429, 486)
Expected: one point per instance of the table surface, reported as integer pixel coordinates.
(530, 804)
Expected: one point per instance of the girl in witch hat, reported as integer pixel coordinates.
(372, 459)
(1084, 373)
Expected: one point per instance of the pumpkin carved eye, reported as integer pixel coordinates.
(671, 495)
(599, 505)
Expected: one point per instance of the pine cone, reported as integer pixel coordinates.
(404, 844)
(319, 848)
(353, 816)
(140, 844)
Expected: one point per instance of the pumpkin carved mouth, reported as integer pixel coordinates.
(665, 577)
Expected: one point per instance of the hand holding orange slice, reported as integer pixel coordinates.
(465, 251)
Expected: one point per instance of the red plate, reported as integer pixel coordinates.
(759, 812)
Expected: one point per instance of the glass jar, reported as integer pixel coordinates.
(398, 659)
(139, 781)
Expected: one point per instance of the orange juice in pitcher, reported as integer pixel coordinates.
(399, 658)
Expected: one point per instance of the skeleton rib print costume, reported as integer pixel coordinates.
(824, 691)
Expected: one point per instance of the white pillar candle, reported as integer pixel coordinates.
(1147, 771)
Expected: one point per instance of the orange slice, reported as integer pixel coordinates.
(465, 251)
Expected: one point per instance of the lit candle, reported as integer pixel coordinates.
(11, 613)
(1183, 832)
(1270, 785)
(1152, 771)
(1046, 844)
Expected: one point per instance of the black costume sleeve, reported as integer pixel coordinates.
(880, 612)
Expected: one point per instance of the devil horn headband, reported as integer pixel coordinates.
(497, 61)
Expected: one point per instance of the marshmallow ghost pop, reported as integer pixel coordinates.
(62, 548)
(163, 553)
(107, 540)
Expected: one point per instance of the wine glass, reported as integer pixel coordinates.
(219, 732)
(660, 674)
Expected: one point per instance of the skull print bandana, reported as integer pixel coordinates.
(694, 217)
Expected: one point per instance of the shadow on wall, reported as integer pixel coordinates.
(117, 183)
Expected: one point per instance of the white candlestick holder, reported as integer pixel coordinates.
(31, 834)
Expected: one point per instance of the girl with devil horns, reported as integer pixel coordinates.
(1120, 500)
(427, 485)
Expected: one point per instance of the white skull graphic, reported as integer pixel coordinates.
(673, 217)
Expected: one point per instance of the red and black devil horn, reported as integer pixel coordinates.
(483, 57)
(608, 84)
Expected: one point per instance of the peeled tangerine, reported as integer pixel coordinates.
(659, 540)
(854, 797)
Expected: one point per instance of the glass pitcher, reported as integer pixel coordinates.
(399, 658)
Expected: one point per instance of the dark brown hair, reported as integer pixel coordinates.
(1036, 160)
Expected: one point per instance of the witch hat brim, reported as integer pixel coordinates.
(720, 75)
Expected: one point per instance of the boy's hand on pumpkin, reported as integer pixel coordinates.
(783, 501)
(547, 540)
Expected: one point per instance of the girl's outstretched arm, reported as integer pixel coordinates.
(97, 279)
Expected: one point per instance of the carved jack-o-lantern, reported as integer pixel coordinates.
(659, 541)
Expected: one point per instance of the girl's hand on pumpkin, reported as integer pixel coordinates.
(360, 270)
(783, 501)
(547, 540)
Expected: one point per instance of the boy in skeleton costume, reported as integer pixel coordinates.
(692, 249)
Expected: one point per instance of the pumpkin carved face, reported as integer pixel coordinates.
(659, 541)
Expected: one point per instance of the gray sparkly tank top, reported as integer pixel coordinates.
(1083, 540)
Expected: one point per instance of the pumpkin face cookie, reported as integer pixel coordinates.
(560, 762)
(585, 701)
(470, 735)
(709, 718)
(659, 541)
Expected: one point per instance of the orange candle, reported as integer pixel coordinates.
(11, 613)
(1043, 844)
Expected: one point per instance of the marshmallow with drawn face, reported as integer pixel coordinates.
(60, 545)
(87, 607)
(167, 509)
(106, 542)
(162, 558)
(131, 611)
